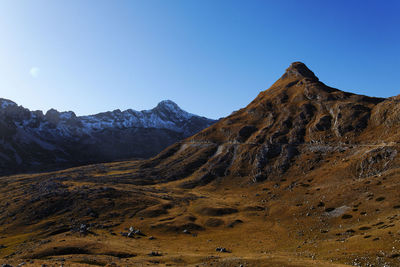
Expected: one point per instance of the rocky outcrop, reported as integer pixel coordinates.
(376, 161)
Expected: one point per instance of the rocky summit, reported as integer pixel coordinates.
(305, 175)
(33, 141)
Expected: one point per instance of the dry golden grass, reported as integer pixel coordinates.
(275, 225)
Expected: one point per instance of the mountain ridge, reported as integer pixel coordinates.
(57, 138)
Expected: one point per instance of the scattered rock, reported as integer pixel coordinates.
(155, 254)
(138, 232)
(82, 228)
(222, 249)
(336, 212)
(132, 233)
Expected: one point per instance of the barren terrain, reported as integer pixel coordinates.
(305, 175)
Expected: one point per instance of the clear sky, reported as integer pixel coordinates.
(210, 57)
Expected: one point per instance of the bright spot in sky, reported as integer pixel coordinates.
(34, 72)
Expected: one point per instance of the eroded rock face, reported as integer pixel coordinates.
(299, 70)
(376, 161)
(324, 123)
(350, 117)
(245, 132)
(387, 114)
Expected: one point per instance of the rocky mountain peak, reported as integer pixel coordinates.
(53, 116)
(5, 103)
(67, 115)
(299, 70)
(169, 108)
(168, 105)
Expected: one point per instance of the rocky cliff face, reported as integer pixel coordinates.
(31, 140)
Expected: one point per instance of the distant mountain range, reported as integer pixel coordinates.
(34, 141)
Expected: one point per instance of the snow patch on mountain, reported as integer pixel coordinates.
(166, 115)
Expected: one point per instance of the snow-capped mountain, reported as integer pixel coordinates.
(32, 140)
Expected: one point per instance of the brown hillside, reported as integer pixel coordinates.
(265, 139)
(305, 175)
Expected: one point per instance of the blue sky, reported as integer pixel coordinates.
(210, 57)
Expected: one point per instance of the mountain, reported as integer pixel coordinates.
(31, 140)
(305, 175)
(297, 116)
